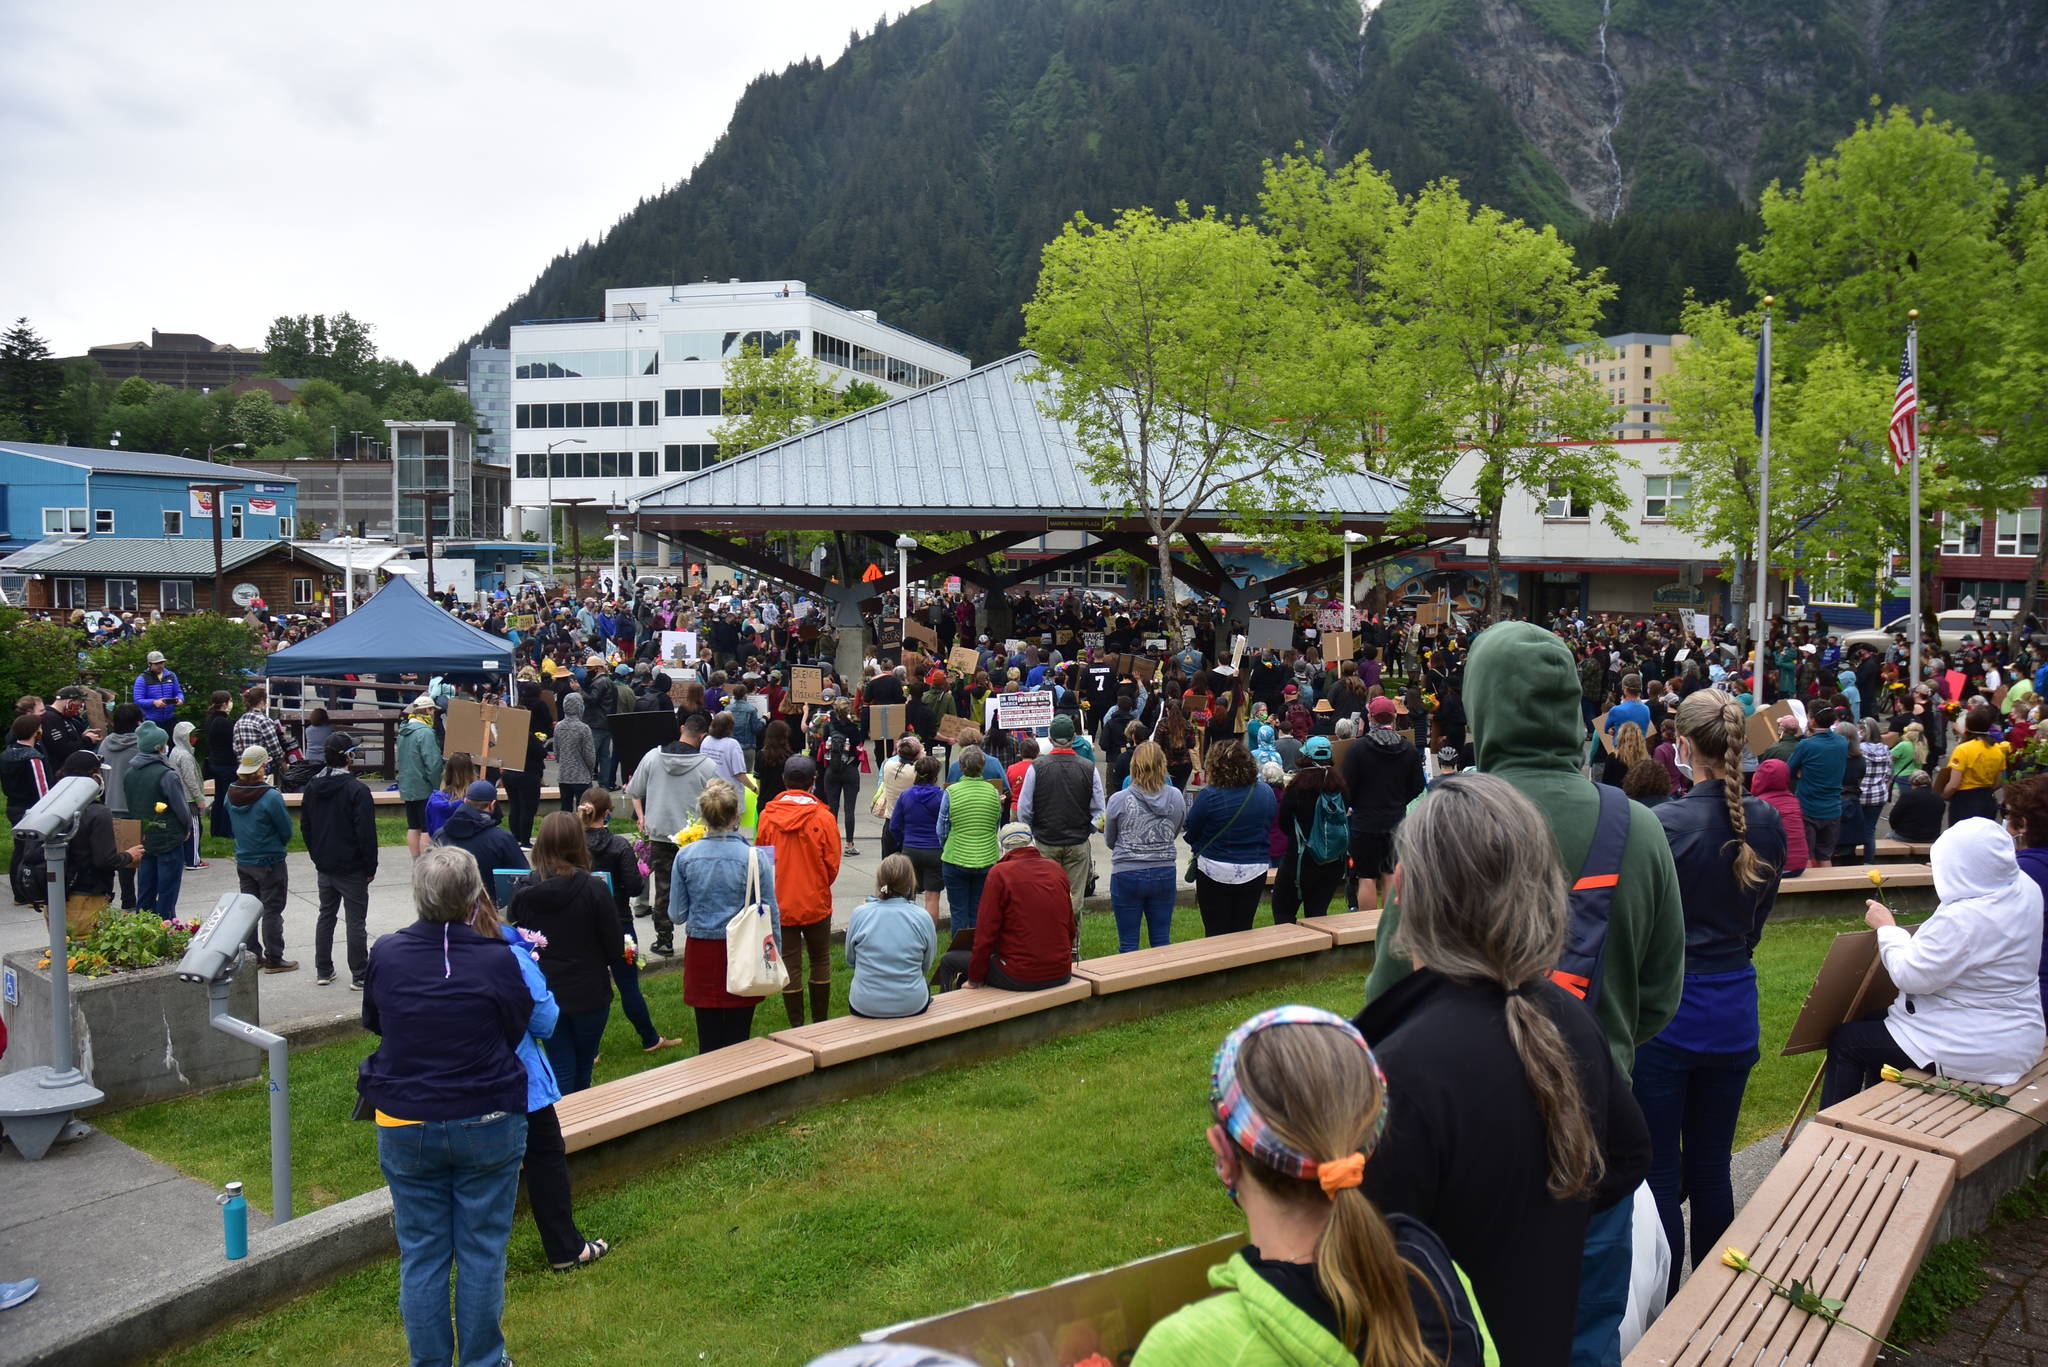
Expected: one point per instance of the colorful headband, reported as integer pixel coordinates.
(1242, 1122)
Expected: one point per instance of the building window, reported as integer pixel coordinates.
(586, 365)
(1665, 496)
(647, 459)
(1646, 394)
(67, 593)
(693, 403)
(648, 417)
(1989, 595)
(1565, 507)
(103, 521)
(121, 595)
(174, 522)
(302, 592)
(1646, 372)
(1646, 351)
(235, 520)
(1827, 583)
(62, 521)
(688, 456)
(1960, 537)
(2019, 533)
(176, 594)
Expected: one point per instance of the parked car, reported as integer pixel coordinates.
(1954, 626)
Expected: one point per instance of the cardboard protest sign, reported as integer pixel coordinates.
(1269, 633)
(807, 684)
(677, 691)
(96, 715)
(1432, 614)
(635, 733)
(1092, 640)
(950, 727)
(1762, 726)
(519, 622)
(1339, 646)
(494, 735)
(1103, 1314)
(1012, 645)
(1143, 667)
(885, 720)
(1026, 711)
(1606, 736)
(963, 659)
(1851, 984)
(923, 635)
(889, 632)
(127, 833)
(1159, 642)
(1338, 745)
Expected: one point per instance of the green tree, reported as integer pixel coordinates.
(1172, 346)
(41, 657)
(208, 652)
(1475, 369)
(313, 346)
(31, 384)
(258, 420)
(768, 398)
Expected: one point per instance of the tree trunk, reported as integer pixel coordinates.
(1166, 587)
(1493, 561)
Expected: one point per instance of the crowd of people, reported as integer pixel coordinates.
(1446, 1178)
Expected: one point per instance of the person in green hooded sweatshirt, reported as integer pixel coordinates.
(1522, 698)
(1326, 1280)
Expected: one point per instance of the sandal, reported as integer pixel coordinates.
(663, 1043)
(593, 1249)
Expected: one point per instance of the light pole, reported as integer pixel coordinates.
(1350, 539)
(617, 538)
(550, 470)
(904, 545)
(355, 444)
(218, 491)
(348, 581)
(428, 498)
(569, 524)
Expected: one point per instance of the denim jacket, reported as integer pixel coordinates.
(541, 1088)
(709, 884)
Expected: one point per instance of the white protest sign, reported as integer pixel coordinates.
(1026, 711)
(678, 646)
(1702, 626)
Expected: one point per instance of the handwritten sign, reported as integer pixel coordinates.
(807, 684)
(950, 727)
(1329, 619)
(1026, 711)
(923, 635)
(889, 632)
(885, 720)
(1143, 667)
(1092, 640)
(963, 659)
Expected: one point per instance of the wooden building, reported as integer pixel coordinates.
(174, 576)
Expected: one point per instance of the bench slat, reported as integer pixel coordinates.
(1856, 877)
(1192, 958)
(1947, 1125)
(606, 1112)
(1853, 1213)
(1348, 927)
(852, 1037)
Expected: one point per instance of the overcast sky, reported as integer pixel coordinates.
(206, 168)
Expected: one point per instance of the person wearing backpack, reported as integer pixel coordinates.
(24, 777)
(1316, 820)
(839, 755)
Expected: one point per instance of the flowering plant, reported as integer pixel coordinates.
(123, 941)
(1805, 1297)
(1977, 1094)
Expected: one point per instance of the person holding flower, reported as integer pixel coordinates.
(583, 939)
(1969, 1003)
(707, 888)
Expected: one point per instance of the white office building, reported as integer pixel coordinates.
(606, 408)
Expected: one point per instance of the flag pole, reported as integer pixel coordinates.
(1761, 616)
(1913, 500)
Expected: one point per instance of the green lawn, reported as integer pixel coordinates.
(1075, 1154)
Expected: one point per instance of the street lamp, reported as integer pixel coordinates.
(550, 470)
(428, 498)
(218, 491)
(568, 523)
(348, 581)
(1350, 539)
(355, 445)
(228, 446)
(617, 538)
(905, 544)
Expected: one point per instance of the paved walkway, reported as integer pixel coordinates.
(2007, 1326)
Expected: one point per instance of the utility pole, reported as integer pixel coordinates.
(569, 525)
(219, 492)
(428, 499)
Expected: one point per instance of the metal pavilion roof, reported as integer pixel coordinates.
(143, 463)
(976, 451)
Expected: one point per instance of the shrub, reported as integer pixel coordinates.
(41, 657)
(205, 652)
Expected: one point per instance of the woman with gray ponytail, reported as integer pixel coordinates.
(1689, 1080)
(1512, 1125)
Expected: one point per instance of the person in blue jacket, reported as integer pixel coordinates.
(1226, 828)
(158, 692)
(546, 1165)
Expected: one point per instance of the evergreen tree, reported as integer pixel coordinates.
(31, 384)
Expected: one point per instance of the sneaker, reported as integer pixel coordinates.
(14, 1293)
(325, 979)
(202, 864)
(281, 966)
(852, 848)
(665, 948)
(355, 985)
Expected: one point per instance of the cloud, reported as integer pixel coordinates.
(205, 169)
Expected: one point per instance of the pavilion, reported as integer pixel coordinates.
(979, 453)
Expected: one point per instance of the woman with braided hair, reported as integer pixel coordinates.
(1730, 851)
(1326, 1280)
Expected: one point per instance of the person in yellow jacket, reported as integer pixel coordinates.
(1326, 1280)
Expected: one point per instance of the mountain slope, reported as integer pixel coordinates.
(921, 171)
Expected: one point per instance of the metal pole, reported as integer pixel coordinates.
(62, 1059)
(279, 1051)
(1913, 499)
(902, 585)
(1347, 583)
(1763, 518)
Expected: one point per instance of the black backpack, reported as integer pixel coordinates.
(30, 874)
(839, 751)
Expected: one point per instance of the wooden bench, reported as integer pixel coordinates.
(1960, 1130)
(852, 1037)
(1192, 958)
(620, 1107)
(1856, 878)
(1845, 1214)
(1889, 848)
(1346, 928)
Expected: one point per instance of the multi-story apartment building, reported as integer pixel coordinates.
(1631, 368)
(606, 408)
(490, 393)
(184, 360)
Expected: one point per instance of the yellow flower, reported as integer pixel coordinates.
(690, 834)
(1735, 1258)
(1876, 877)
(540, 735)
(160, 807)
(1889, 1073)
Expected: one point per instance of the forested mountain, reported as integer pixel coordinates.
(920, 172)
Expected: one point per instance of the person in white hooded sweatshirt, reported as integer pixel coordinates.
(1969, 977)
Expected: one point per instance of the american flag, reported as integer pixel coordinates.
(1904, 437)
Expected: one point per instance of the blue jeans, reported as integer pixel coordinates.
(1690, 1102)
(607, 761)
(453, 1183)
(158, 877)
(1142, 895)
(1871, 812)
(963, 894)
(1603, 1287)
(572, 1049)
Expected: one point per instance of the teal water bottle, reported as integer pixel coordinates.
(234, 1220)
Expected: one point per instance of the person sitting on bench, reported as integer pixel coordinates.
(1024, 929)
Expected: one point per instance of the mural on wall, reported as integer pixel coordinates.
(1392, 580)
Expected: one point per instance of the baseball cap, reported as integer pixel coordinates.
(1382, 706)
(340, 746)
(422, 703)
(1014, 836)
(481, 791)
(800, 770)
(72, 693)
(255, 760)
(1062, 727)
(156, 657)
(1316, 748)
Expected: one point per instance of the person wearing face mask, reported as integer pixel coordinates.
(1690, 1078)
(158, 692)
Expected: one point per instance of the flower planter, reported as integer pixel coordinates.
(141, 1036)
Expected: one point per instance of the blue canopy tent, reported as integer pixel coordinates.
(399, 630)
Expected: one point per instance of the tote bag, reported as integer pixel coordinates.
(753, 961)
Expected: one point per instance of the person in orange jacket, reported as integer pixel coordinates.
(805, 837)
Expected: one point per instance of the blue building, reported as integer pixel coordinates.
(69, 493)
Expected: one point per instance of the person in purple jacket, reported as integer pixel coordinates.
(2026, 816)
(158, 692)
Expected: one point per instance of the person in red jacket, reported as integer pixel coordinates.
(1024, 930)
(805, 837)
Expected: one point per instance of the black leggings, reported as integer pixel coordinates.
(1311, 891)
(840, 792)
(547, 1187)
(522, 795)
(1856, 1051)
(1227, 907)
(719, 1026)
